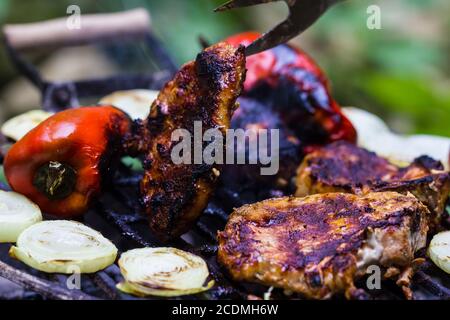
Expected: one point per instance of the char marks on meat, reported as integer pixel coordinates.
(318, 245)
(344, 167)
(203, 91)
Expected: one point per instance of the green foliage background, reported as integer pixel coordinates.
(401, 72)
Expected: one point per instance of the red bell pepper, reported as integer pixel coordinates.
(59, 164)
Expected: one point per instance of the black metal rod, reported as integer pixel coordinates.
(206, 231)
(125, 229)
(103, 86)
(106, 284)
(24, 66)
(163, 59)
(45, 288)
(434, 287)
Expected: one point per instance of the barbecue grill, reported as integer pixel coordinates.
(117, 213)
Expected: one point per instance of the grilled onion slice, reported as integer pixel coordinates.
(165, 272)
(64, 247)
(16, 214)
(134, 102)
(439, 250)
(15, 128)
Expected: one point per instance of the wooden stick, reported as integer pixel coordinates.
(56, 33)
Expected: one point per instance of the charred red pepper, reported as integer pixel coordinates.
(264, 64)
(60, 163)
(289, 81)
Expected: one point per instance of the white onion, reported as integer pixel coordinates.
(164, 272)
(64, 246)
(439, 250)
(134, 102)
(374, 135)
(15, 128)
(16, 214)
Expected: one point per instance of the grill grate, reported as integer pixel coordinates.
(117, 216)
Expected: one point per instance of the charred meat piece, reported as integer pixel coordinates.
(318, 245)
(344, 167)
(204, 91)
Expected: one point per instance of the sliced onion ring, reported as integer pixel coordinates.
(15, 128)
(64, 247)
(439, 250)
(16, 214)
(134, 102)
(165, 272)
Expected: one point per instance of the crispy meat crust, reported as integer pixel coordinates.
(315, 245)
(205, 90)
(344, 167)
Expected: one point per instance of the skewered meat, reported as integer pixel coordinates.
(343, 167)
(206, 90)
(318, 245)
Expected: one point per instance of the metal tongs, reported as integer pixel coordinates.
(302, 14)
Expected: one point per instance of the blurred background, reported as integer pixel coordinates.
(401, 72)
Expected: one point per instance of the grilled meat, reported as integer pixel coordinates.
(318, 245)
(206, 90)
(344, 167)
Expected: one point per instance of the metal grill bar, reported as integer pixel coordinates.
(434, 287)
(107, 285)
(46, 288)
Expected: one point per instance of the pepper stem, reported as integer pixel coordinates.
(55, 179)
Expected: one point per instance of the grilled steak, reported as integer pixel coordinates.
(344, 167)
(206, 90)
(318, 245)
